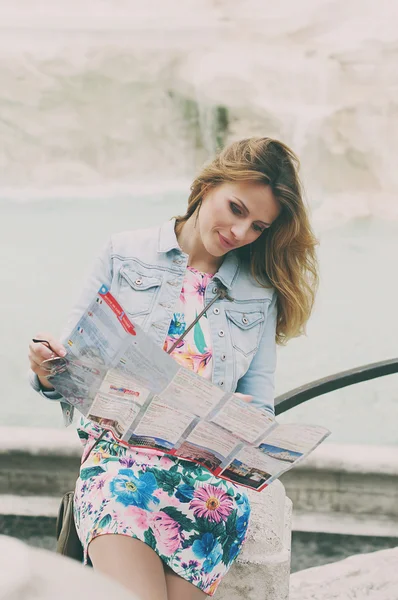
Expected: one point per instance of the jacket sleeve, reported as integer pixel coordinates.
(259, 379)
(101, 273)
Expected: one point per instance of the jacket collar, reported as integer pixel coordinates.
(167, 237)
(229, 269)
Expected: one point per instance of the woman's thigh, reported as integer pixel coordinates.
(130, 562)
(180, 589)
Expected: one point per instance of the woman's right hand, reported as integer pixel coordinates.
(39, 351)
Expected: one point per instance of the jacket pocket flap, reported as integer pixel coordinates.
(138, 281)
(245, 320)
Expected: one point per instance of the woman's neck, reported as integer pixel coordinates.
(190, 242)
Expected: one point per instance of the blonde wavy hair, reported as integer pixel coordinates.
(284, 254)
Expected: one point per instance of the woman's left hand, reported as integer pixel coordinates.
(244, 397)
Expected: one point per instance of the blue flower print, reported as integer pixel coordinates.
(213, 559)
(185, 492)
(210, 549)
(242, 524)
(134, 491)
(234, 550)
(177, 325)
(202, 547)
(243, 505)
(244, 511)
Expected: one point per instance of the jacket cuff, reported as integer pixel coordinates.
(36, 385)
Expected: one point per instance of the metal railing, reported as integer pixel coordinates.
(334, 382)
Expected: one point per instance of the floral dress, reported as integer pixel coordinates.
(195, 522)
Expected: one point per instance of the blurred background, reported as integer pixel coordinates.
(109, 108)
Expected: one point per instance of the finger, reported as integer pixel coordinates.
(40, 351)
(37, 368)
(244, 397)
(55, 345)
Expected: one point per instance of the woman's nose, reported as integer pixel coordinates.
(239, 231)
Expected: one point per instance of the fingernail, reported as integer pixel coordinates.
(62, 352)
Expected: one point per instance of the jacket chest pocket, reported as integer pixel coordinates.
(138, 292)
(245, 329)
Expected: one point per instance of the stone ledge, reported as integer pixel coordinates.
(373, 576)
(29, 506)
(341, 523)
(38, 441)
(353, 458)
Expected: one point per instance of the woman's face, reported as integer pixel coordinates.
(234, 214)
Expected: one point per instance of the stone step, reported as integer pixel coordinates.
(29, 506)
(345, 524)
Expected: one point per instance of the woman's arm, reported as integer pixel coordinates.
(259, 379)
(101, 273)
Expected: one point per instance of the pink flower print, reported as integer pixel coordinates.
(196, 283)
(192, 360)
(211, 503)
(166, 462)
(139, 515)
(168, 343)
(165, 499)
(167, 533)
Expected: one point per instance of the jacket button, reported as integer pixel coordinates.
(216, 311)
(223, 356)
(215, 290)
(245, 320)
(138, 281)
(221, 333)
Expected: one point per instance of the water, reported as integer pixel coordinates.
(108, 110)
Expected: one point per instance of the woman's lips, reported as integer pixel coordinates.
(225, 242)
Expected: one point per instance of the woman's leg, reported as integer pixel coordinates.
(130, 562)
(180, 589)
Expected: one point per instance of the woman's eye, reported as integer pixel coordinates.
(235, 208)
(258, 228)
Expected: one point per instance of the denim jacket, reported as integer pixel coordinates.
(145, 269)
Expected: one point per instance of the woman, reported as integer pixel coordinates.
(173, 529)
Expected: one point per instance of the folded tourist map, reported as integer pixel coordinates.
(115, 375)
